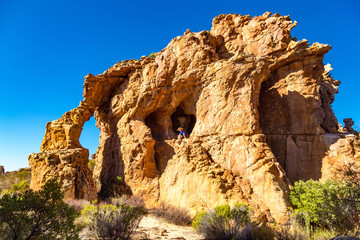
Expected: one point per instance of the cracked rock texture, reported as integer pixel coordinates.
(255, 104)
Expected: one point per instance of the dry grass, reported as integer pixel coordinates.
(178, 216)
(129, 200)
(78, 204)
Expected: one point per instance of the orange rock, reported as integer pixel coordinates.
(255, 105)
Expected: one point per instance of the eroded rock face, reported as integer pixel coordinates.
(62, 157)
(254, 102)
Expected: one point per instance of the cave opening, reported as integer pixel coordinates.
(180, 119)
(157, 122)
(164, 127)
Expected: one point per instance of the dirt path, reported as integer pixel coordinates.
(151, 228)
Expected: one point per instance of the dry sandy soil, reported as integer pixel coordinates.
(151, 227)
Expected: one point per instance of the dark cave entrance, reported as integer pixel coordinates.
(164, 127)
(180, 119)
(157, 122)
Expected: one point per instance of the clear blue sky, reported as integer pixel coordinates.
(47, 47)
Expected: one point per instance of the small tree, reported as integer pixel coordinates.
(326, 205)
(37, 215)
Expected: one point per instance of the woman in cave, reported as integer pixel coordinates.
(181, 134)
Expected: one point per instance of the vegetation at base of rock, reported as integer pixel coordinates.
(78, 204)
(115, 187)
(37, 215)
(234, 91)
(330, 206)
(224, 222)
(196, 221)
(130, 200)
(172, 214)
(91, 164)
(17, 181)
(152, 55)
(111, 222)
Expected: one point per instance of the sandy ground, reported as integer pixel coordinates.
(151, 228)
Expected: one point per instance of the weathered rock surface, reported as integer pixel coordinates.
(63, 157)
(255, 104)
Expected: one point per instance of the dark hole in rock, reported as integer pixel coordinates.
(181, 119)
(157, 122)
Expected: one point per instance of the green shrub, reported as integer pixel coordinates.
(223, 211)
(195, 223)
(37, 215)
(85, 218)
(24, 175)
(224, 222)
(20, 187)
(111, 222)
(152, 55)
(91, 164)
(326, 205)
(9, 179)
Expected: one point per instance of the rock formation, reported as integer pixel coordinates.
(255, 104)
(61, 156)
(2, 169)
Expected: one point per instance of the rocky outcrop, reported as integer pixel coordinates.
(62, 157)
(254, 102)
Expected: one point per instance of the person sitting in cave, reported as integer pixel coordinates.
(181, 134)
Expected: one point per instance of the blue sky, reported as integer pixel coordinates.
(47, 47)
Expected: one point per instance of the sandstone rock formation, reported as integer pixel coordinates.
(63, 157)
(349, 123)
(255, 104)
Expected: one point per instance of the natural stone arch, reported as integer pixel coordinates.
(63, 157)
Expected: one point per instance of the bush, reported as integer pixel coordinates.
(37, 215)
(117, 186)
(9, 179)
(224, 222)
(326, 205)
(24, 175)
(178, 216)
(152, 55)
(91, 164)
(262, 232)
(129, 200)
(111, 222)
(195, 223)
(20, 187)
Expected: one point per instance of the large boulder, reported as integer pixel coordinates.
(255, 105)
